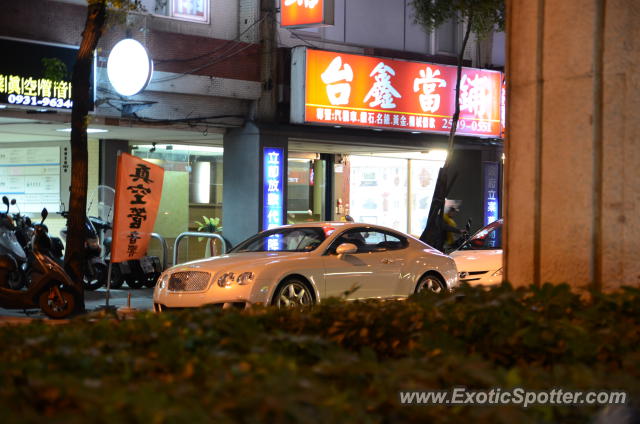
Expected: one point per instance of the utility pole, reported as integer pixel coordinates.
(267, 104)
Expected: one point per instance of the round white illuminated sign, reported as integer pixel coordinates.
(129, 67)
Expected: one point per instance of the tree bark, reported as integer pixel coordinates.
(432, 234)
(75, 256)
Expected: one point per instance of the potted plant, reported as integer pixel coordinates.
(209, 225)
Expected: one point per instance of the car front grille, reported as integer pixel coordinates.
(189, 281)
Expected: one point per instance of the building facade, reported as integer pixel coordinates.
(224, 89)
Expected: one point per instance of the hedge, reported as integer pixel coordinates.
(332, 363)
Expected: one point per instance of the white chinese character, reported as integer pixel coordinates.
(273, 216)
(273, 157)
(354, 116)
(272, 243)
(387, 119)
(475, 95)
(273, 199)
(429, 101)
(338, 92)
(319, 113)
(492, 206)
(273, 186)
(273, 172)
(382, 91)
(412, 121)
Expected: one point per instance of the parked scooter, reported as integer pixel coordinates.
(11, 250)
(50, 289)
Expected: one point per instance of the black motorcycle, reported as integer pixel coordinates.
(95, 267)
(12, 249)
(50, 287)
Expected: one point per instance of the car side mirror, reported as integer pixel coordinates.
(346, 249)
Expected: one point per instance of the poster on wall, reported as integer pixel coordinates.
(191, 10)
(31, 175)
(336, 88)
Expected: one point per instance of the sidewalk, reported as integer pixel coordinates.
(141, 299)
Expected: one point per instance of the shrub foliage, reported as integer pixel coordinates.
(335, 362)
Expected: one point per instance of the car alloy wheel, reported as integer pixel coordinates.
(292, 293)
(430, 283)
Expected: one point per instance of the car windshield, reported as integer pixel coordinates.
(286, 239)
(490, 237)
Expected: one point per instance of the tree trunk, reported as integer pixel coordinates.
(75, 256)
(432, 234)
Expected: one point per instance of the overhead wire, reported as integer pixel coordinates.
(217, 59)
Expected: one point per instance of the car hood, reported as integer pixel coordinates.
(477, 260)
(248, 261)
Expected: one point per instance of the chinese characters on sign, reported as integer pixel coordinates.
(37, 75)
(363, 91)
(272, 194)
(36, 92)
(138, 192)
(491, 202)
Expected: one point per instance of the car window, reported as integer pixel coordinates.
(368, 240)
(488, 238)
(283, 240)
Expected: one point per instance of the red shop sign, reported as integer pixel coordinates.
(364, 91)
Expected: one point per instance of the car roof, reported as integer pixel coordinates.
(338, 224)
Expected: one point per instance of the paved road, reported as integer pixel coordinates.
(141, 299)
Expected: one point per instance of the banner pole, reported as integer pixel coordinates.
(108, 284)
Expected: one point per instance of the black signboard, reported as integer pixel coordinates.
(38, 74)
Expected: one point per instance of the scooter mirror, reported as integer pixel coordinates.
(5, 200)
(44, 214)
(13, 201)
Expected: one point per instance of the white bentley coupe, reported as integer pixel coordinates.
(304, 263)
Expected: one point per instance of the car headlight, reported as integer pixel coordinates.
(162, 282)
(245, 278)
(226, 279)
(498, 273)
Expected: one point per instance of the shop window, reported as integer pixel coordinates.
(392, 191)
(424, 174)
(305, 190)
(190, 10)
(192, 189)
(378, 192)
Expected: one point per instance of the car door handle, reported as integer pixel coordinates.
(386, 261)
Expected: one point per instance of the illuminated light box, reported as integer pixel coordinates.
(129, 67)
(306, 13)
(334, 88)
(273, 188)
(37, 74)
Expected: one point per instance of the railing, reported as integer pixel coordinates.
(176, 244)
(165, 249)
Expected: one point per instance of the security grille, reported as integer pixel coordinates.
(188, 281)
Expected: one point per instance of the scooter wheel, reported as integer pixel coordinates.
(95, 280)
(57, 302)
(117, 279)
